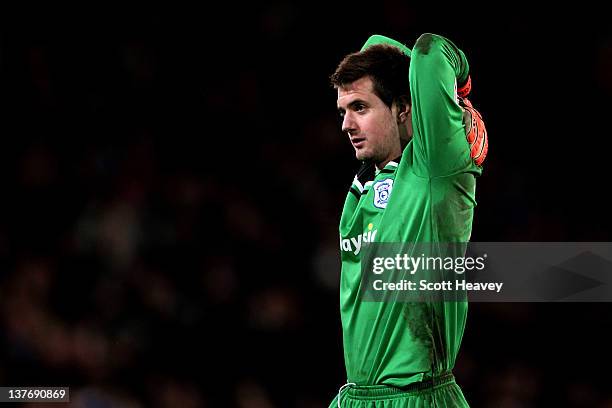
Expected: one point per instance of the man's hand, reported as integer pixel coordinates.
(475, 132)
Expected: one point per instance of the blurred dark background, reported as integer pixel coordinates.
(173, 179)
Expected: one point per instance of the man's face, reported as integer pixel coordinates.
(369, 123)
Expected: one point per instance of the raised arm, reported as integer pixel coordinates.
(437, 68)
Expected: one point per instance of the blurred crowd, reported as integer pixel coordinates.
(173, 184)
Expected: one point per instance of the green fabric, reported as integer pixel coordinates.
(447, 395)
(432, 200)
(381, 39)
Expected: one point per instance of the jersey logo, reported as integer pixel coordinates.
(354, 244)
(382, 192)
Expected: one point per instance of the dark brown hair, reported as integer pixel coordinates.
(385, 64)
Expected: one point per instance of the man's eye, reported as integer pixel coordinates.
(359, 107)
(341, 114)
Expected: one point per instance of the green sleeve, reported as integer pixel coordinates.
(381, 39)
(440, 145)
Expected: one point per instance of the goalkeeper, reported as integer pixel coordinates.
(422, 145)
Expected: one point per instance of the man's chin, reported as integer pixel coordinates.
(362, 155)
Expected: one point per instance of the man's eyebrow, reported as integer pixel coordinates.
(352, 104)
(356, 102)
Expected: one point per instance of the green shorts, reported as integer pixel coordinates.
(442, 391)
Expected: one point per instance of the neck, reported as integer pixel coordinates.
(382, 164)
(397, 152)
(405, 134)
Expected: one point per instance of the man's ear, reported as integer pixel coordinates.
(403, 108)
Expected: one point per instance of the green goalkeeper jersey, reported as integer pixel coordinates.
(426, 195)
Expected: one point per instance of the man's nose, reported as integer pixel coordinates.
(348, 123)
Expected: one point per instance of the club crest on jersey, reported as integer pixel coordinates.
(382, 192)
